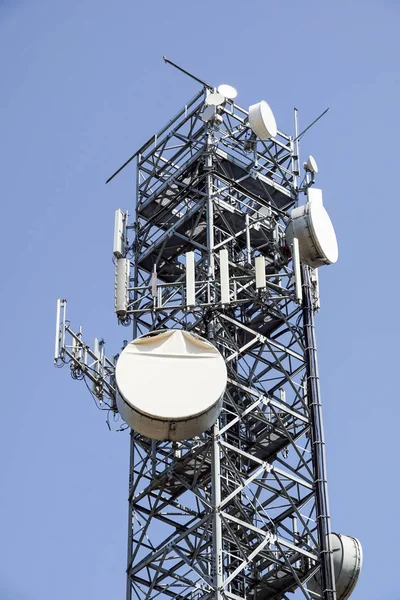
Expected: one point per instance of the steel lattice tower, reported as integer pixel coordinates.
(240, 512)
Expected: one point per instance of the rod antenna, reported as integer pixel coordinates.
(166, 60)
(311, 125)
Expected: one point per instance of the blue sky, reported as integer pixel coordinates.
(83, 86)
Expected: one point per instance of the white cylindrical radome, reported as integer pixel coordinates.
(215, 99)
(311, 225)
(347, 562)
(262, 121)
(170, 385)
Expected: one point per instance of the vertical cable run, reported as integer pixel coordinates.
(130, 518)
(216, 453)
(136, 251)
(318, 444)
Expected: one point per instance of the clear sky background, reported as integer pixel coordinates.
(83, 85)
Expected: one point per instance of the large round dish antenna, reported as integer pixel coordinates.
(347, 563)
(262, 120)
(311, 225)
(170, 385)
(227, 90)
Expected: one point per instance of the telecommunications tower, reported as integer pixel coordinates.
(217, 274)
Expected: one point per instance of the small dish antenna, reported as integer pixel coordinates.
(215, 99)
(209, 113)
(170, 385)
(311, 165)
(228, 91)
(262, 120)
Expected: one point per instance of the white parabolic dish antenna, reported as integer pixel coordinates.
(170, 385)
(262, 120)
(347, 563)
(311, 225)
(311, 164)
(215, 99)
(227, 90)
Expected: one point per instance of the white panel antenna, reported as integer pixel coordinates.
(261, 281)
(314, 195)
(96, 352)
(224, 276)
(120, 221)
(154, 282)
(119, 233)
(248, 239)
(60, 335)
(297, 270)
(190, 280)
(121, 298)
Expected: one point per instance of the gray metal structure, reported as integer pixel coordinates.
(240, 512)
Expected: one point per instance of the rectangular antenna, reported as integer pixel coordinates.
(314, 195)
(154, 282)
(96, 352)
(297, 270)
(58, 333)
(248, 246)
(261, 281)
(118, 233)
(224, 276)
(190, 280)
(121, 297)
(96, 366)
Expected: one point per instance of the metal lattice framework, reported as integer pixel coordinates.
(240, 512)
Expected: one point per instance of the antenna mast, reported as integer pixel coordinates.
(218, 248)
